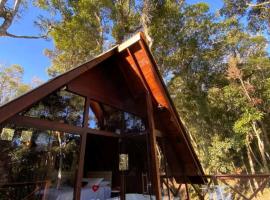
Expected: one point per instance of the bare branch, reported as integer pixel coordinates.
(8, 15)
(2, 5)
(16, 6)
(259, 4)
(24, 36)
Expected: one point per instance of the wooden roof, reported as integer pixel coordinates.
(124, 72)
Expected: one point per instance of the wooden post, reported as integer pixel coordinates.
(123, 186)
(152, 141)
(79, 177)
(166, 171)
(80, 168)
(187, 192)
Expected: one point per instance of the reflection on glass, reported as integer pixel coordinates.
(105, 117)
(92, 120)
(37, 164)
(61, 106)
(133, 123)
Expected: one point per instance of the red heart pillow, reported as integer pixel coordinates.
(95, 188)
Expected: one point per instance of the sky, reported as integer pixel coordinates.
(29, 53)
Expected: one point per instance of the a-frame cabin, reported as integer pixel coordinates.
(106, 129)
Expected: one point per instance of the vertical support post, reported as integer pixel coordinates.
(79, 177)
(166, 171)
(80, 167)
(187, 192)
(152, 140)
(123, 186)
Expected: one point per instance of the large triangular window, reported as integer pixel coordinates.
(61, 106)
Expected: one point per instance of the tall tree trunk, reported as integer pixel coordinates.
(254, 156)
(251, 166)
(261, 147)
(145, 20)
(251, 181)
(257, 133)
(265, 134)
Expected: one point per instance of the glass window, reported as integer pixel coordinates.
(61, 106)
(92, 120)
(133, 123)
(105, 117)
(37, 164)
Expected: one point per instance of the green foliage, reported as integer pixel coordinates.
(243, 124)
(86, 29)
(256, 12)
(220, 156)
(11, 84)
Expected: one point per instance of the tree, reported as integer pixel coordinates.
(8, 13)
(257, 12)
(11, 84)
(79, 36)
(87, 28)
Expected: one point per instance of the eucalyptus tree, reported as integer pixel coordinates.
(9, 12)
(11, 83)
(256, 12)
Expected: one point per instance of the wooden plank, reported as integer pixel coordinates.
(187, 192)
(80, 168)
(233, 176)
(57, 126)
(129, 42)
(17, 105)
(152, 137)
(153, 143)
(79, 176)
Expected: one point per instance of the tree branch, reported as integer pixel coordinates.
(2, 5)
(8, 15)
(259, 4)
(24, 36)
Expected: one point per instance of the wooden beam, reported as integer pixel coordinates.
(153, 143)
(187, 192)
(79, 176)
(82, 152)
(152, 136)
(57, 126)
(233, 176)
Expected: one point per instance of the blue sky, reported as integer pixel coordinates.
(29, 53)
